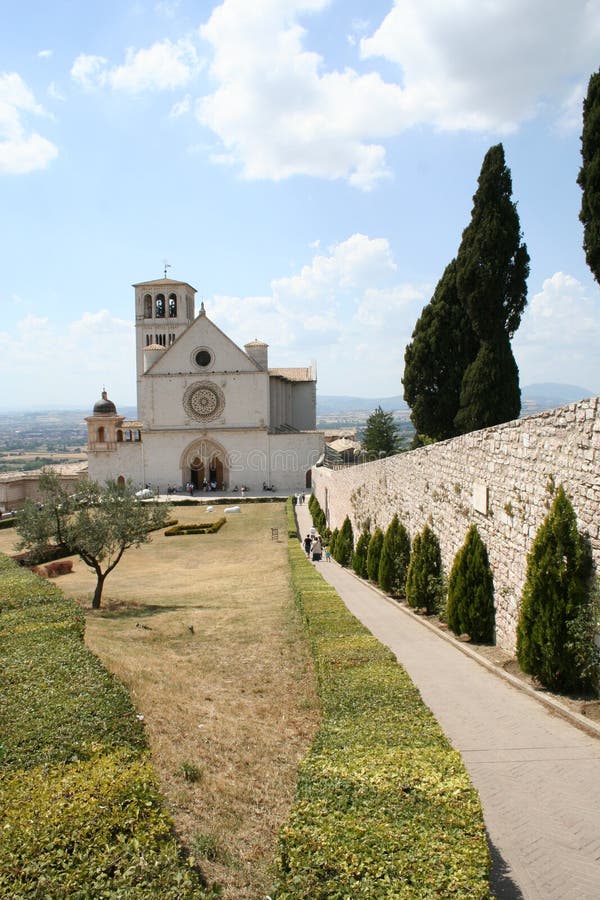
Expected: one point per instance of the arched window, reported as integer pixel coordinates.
(121, 481)
(160, 306)
(101, 437)
(172, 306)
(148, 340)
(147, 306)
(138, 435)
(119, 435)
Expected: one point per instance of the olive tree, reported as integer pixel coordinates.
(96, 522)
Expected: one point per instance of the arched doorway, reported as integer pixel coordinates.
(204, 463)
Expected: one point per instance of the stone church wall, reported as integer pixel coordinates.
(502, 479)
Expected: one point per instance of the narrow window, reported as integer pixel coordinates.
(101, 435)
(160, 306)
(147, 306)
(148, 340)
(172, 306)
(119, 435)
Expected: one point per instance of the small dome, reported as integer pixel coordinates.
(105, 407)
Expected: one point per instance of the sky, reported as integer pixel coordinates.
(307, 165)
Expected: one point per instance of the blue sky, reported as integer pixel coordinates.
(307, 165)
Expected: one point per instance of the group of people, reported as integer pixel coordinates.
(313, 547)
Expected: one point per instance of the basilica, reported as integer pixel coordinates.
(209, 414)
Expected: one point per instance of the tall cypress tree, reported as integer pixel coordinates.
(492, 266)
(589, 176)
(359, 558)
(442, 347)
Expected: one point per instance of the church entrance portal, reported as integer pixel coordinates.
(207, 474)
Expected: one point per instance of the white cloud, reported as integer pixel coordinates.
(345, 304)
(20, 151)
(45, 54)
(89, 71)
(94, 346)
(180, 108)
(278, 112)
(164, 66)
(560, 334)
(474, 65)
(55, 93)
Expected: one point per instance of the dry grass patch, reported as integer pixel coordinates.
(230, 706)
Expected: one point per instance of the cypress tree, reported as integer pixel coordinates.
(492, 266)
(374, 554)
(395, 556)
(359, 560)
(443, 345)
(493, 373)
(471, 591)
(555, 592)
(344, 544)
(424, 576)
(332, 541)
(589, 176)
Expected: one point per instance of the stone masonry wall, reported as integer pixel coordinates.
(502, 479)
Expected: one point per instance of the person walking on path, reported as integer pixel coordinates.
(537, 774)
(307, 542)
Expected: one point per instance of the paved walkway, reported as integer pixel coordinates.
(538, 776)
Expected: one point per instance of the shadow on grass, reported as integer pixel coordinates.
(124, 609)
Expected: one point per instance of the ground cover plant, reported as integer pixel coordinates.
(204, 633)
(80, 809)
(384, 806)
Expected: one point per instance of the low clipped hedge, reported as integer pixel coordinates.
(384, 806)
(8, 523)
(80, 809)
(196, 528)
(292, 527)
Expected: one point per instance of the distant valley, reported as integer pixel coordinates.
(534, 398)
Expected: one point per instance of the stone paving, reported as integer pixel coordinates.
(537, 774)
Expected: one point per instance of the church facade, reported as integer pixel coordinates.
(208, 411)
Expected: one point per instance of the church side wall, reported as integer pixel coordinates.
(501, 479)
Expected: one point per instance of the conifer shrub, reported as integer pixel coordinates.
(470, 607)
(359, 560)
(333, 541)
(395, 557)
(344, 545)
(374, 555)
(424, 583)
(555, 596)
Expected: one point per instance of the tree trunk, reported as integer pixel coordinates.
(98, 592)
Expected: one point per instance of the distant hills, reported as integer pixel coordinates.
(534, 398)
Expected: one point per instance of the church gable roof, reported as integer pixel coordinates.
(203, 335)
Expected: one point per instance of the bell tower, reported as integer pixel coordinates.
(164, 309)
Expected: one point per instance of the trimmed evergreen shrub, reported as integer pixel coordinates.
(359, 560)
(196, 528)
(470, 607)
(344, 545)
(395, 557)
(424, 576)
(555, 593)
(332, 541)
(374, 555)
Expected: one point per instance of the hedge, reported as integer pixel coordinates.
(384, 807)
(80, 810)
(196, 528)
(9, 522)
